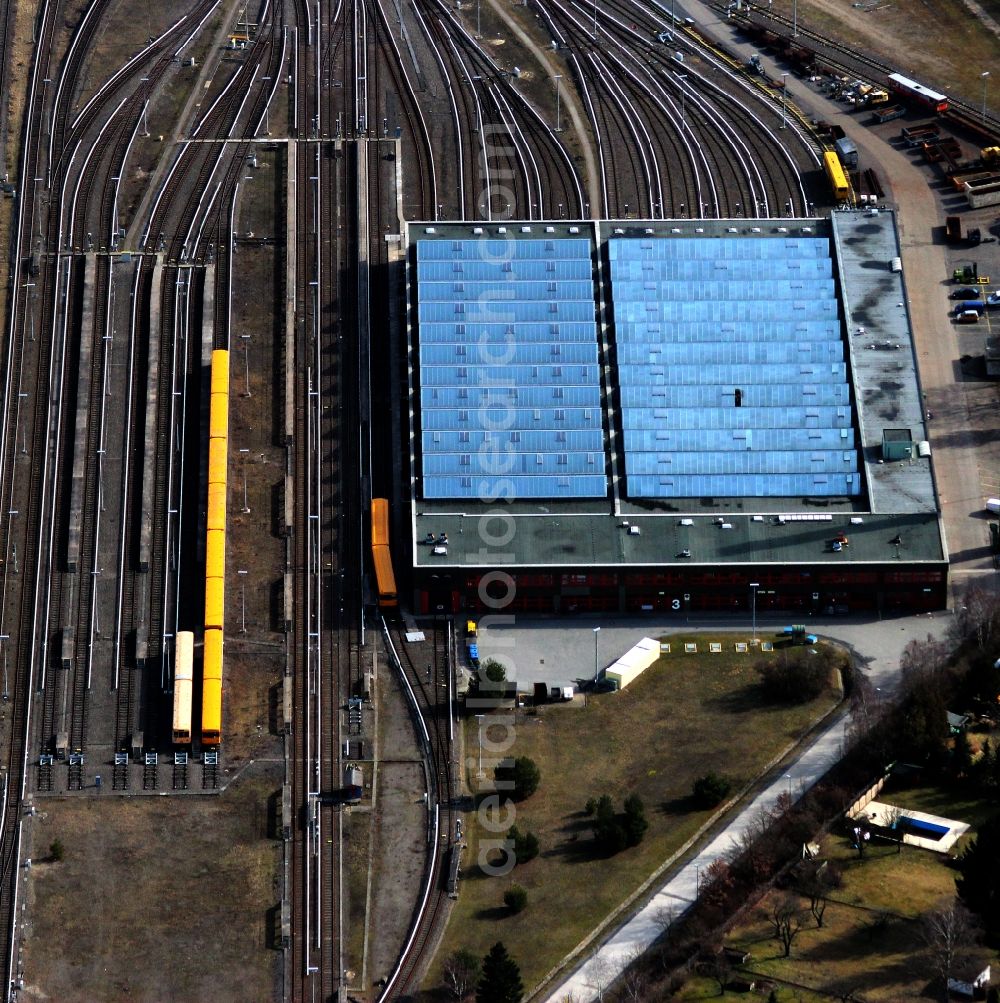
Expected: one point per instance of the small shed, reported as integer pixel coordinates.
(957, 722)
(897, 444)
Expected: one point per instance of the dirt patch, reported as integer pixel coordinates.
(148, 890)
(961, 51)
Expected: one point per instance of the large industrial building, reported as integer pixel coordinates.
(686, 415)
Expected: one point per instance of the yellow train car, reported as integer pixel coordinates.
(215, 602)
(212, 653)
(220, 371)
(380, 522)
(211, 700)
(836, 176)
(217, 506)
(218, 417)
(183, 685)
(215, 554)
(218, 460)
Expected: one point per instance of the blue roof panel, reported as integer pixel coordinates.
(731, 366)
(509, 368)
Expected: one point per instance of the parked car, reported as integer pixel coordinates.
(966, 294)
(967, 317)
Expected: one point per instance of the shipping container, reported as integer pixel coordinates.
(633, 663)
(847, 152)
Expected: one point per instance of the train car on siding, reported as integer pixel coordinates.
(211, 701)
(218, 461)
(183, 683)
(914, 93)
(218, 417)
(220, 371)
(217, 506)
(385, 577)
(215, 603)
(380, 522)
(836, 176)
(215, 554)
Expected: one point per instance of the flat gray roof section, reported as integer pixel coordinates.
(558, 539)
(883, 359)
(897, 519)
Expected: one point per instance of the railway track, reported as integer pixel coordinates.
(856, 62)
(429, 690)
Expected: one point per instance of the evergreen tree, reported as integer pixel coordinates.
(525, 844)
(517, 778)
(635, 822)
(961, 755)
(501, 978)
(979, 884)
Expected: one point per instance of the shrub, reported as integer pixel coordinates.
(795, 678)
(494, 671)
(525, 844)
(635, 822)
(515, 898)
(518, 778)
(710, 790)
(56, 850)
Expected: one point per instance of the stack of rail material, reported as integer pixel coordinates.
(215, 549)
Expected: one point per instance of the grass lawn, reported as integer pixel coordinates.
(871, 938)
(686, 716)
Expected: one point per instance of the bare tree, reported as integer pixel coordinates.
(600, 976)
(461, 972)
(785, 917)
(891, 817)
(634, 983)
(717, 967)
(817, 879)
(978, 616)
(949, 933)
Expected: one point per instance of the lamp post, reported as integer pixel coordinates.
(557, 77)
(597, 659)
(795, 18)
(243, 601)
(985, 76)
(681, 77)
(479, 718)
(267, 106)
(784, 78)
(753, 609)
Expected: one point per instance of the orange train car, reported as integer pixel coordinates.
(385, 578)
